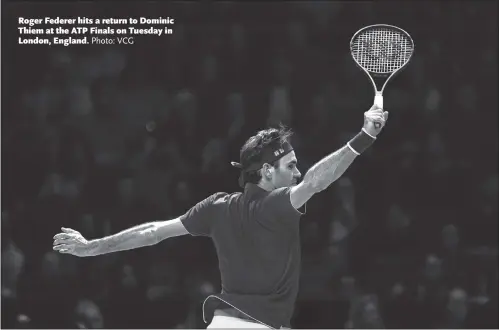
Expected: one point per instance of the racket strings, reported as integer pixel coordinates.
(382, 50)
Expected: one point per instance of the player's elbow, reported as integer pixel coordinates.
(150, 236)
(318, 187)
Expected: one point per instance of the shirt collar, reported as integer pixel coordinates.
(253, 190)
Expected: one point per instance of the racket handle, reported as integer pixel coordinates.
(378, 102)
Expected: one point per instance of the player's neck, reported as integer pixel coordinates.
(265, 185)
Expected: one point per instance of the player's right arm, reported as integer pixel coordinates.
(72, 242)
(332, 167)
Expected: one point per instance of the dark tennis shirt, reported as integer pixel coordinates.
(257, 239)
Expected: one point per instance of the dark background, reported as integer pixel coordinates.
(101, 138)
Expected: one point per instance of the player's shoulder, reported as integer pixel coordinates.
(278, 198)
(224, 197)
(279, 192)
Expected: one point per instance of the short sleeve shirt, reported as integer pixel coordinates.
(256, 236)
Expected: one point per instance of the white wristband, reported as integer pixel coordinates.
(355, 152)
(368, 133)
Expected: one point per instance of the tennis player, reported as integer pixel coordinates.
(255, 233)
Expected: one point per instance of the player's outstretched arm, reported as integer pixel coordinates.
(72, 242)
(331, 167)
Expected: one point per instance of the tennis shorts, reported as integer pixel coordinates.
(220, 321)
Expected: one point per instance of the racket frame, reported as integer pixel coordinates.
(378, 94)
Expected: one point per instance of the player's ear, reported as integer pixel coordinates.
(267, 170)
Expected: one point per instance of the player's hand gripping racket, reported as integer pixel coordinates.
(381, 51)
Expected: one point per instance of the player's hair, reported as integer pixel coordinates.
(252, 150)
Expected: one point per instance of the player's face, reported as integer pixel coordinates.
(287, 174)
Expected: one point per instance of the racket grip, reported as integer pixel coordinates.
(378, 102)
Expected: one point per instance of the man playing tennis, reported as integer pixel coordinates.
(255, 233)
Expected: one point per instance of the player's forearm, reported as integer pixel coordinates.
(329, 169)
(132, 238)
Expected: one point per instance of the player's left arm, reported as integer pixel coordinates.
(197, 221)
(72, 242)
(331, 167)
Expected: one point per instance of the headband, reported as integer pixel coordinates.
(272, 152)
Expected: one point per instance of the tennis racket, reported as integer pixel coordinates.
(381, 51)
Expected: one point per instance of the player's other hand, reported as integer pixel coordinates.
(374, 120)
(71, 242)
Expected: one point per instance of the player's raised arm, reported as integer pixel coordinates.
(331, 167)
(72, 242)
